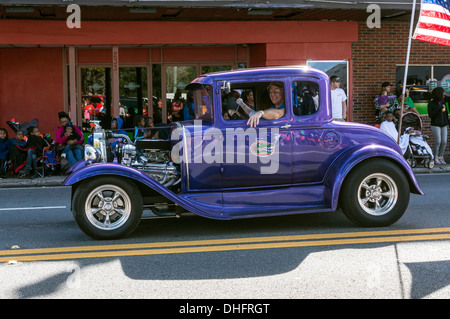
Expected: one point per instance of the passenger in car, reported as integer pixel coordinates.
(276, 111)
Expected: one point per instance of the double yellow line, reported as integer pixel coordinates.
(196, 246)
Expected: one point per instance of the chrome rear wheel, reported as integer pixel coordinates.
(375, 193)
(378, 194)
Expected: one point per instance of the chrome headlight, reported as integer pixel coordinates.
(92, 154)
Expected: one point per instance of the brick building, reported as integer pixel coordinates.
(45, 66)
(377, 55)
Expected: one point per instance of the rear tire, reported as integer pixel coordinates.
(375, 194)
(107, 207)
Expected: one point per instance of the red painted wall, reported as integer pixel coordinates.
(160, 32)
(31, 86)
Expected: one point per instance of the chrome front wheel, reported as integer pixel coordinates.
(107, 207)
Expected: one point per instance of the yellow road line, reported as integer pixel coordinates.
(215, 244)
(223, 241)
(180, 250)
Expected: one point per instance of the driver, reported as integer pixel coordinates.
(276, 111)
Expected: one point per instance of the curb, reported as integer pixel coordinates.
(28, 182)
(435, 169)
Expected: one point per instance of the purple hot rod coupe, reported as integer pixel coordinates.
(262, 142)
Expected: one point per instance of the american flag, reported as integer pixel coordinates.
(434, 22)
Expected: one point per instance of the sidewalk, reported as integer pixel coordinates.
(58, 180)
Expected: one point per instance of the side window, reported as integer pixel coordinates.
(246, 98)
(305, 95)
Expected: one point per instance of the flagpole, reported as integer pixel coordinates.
(413, 12)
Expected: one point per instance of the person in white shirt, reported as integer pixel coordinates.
(338, 99)
(388, 126)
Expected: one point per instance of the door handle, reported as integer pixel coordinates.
(286, 126)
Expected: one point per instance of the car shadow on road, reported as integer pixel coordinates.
(234, 264)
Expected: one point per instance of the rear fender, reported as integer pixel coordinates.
(343, 165)
(205, 205)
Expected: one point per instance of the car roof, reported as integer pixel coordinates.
(260, 72)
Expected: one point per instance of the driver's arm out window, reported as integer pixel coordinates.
(247, 98)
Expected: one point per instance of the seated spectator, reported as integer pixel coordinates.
(19, 139)
(150, 132)
(5, 145)
(139, 131)
(116, 127)
(69, 131)
(73, 148)
(408, 103)
(176, 110)
(35, 145)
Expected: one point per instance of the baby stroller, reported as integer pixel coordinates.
(414, 145)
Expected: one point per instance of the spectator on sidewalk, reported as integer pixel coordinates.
(338, 99)
(5, 145)
(35, 145)
(408, 103)
(388, 126)
(437, 111)
(19, 139)
(385, 101)
(73, 149)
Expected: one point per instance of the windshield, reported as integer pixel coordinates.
(203, 102)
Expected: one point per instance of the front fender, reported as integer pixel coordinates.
(205, 205)
(342, 166)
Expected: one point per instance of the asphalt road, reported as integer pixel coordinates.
(43, 254)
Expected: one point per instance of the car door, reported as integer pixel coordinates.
(257, 160)
(254, 156)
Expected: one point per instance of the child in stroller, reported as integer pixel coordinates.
(413, 143)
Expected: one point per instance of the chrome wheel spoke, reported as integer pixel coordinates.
(100, 196)
(94, 210)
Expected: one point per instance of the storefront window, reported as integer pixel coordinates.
(95, 94)
(442, 75)
(177, 77)
(339, 68)
(422, 80)
(417, 75)
(215, 68)
(133, 90)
